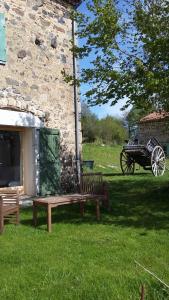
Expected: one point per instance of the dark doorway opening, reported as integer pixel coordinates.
(10, 159)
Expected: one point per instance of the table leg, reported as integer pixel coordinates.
(49, 218)
(1, 224)
(17, 217)
(35, 213)
(98, 210)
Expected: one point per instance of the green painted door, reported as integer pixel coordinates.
(2, 39)
(49, 161)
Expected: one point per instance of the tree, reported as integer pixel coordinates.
(134, 115)
(112, 130)
(89, 124)
(148, 76)
(132, 118)
(127, 46)
(108, 130)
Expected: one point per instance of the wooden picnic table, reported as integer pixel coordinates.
(55, 201)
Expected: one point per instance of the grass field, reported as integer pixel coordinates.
(107, 158)
(90, 260)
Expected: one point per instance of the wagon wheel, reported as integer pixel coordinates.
(158, 161)
(127, 163)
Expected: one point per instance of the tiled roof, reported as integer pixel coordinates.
(155, 116)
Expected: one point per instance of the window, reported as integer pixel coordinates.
(2, 39)
(10, 159)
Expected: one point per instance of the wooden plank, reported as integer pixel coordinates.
(7, 190)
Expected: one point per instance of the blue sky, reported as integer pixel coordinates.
(106, 109)
(103, 110)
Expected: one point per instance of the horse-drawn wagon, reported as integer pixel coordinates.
(150, 156)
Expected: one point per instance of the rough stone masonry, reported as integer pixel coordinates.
(38, 34)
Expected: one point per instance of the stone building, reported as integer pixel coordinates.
(155, 125)
(40, 130)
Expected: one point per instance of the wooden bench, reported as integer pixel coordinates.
(92, 188)
(9, 208)
(92, 184)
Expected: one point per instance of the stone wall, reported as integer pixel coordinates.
(158, 129)
(38, 36)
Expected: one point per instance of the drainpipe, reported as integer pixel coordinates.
(78, 166)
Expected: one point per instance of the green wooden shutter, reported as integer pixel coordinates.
(2, 39)
(49, 161)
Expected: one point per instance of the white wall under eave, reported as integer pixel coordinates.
(36, 160)
(31, 161)
(21, 119)
(28, 163)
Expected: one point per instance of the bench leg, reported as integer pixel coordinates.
(17, 217)
(1, 225)
(49, 219)
(82, 209)
(35, 214)
(98, 210)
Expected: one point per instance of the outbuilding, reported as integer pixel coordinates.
(156, 125)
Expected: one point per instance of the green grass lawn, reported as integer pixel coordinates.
(88, 260)
(106, 158)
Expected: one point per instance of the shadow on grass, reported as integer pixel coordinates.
(139, 203)
(62, 214)
(122, 175)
